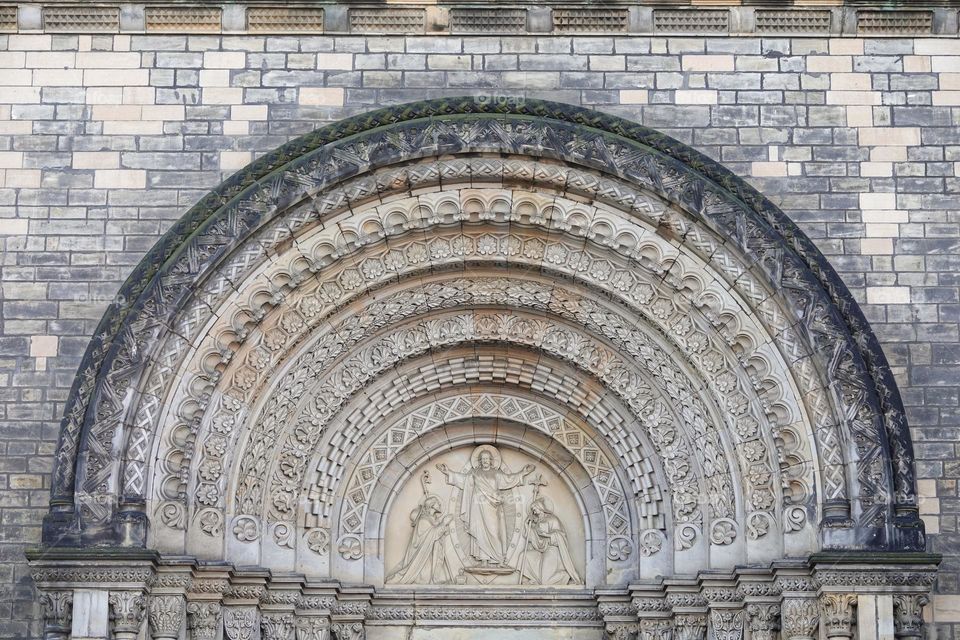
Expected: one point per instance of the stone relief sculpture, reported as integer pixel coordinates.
(494, 528)
(484, 490)
(426, 561)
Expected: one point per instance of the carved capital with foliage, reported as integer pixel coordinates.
(838, 614)
(908, 614)
(799, 618)
(57, 610)
(204, 619)
(127, 611)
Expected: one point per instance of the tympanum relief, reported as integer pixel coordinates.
(482, 515)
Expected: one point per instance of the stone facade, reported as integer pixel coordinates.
(106, 139)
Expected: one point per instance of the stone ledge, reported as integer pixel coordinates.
(510, 19)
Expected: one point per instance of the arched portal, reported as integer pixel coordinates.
(462, 348)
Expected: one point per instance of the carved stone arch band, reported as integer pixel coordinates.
(206, 347)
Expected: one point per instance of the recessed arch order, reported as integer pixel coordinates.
(479, 259)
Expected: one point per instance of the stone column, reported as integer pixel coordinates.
(837, 609)
(127, 611)
(799, 617)
(57, 610)
(908, 614)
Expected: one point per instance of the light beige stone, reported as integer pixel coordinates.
(234, 160)
(44, 346)
(850, 81)
(108, 60)
(18, 95)
(876, 169)
(215, 78)
(829, 64)
(96, 159)
(22, 178)
(217, 95)
(768, 169)
(948, 64)
(878, 201)
(139, 95)
(171, 112)
(888, 154)
(888, 295)
(708, 63)
(132, 127)
(876, 246)
(885, 215)
(946, 608)
(916, 64)
(889, 136)
(846, 46)
(12, 59)
(946, 98)
(23, 42)
(13, 226)
(882, 230)
(696, 96)
(236, 128)
(853, 97)
(57, 77)
(936, 46)
(16, 127)
(116, 77)
(321, 96)
(120, 179)
(949, 81)
(337, 61)
(248, 112)
(104, 95)
(117, 112)
(11, 159)
(224, 59)
(50, 59)
(633, 96)
(932, 524)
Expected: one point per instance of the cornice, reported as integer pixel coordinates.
(714, 18)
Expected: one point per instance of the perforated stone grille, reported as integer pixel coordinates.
(285, 19)
(182, 19)
(793, 21)
(894, 22)
(588, 20)
(81, 19)
(387, 20)
(488, 20)
(691, 21)
(8, 18)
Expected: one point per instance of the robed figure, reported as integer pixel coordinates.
(425, 560)
(548, 560)
(484, 490)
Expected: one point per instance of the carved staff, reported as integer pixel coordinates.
(537, 483)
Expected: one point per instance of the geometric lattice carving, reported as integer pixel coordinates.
(605, 20)
(8, 18)
(81, 19)
(285, 19)
(387, 20)
(793, 21)
(180, 19)
(894, 21)
(691, 21)
(475, 20)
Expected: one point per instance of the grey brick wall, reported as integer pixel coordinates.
(106, 140)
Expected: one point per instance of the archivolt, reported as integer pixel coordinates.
(764, 264)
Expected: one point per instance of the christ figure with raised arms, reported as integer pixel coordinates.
(485, 486)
